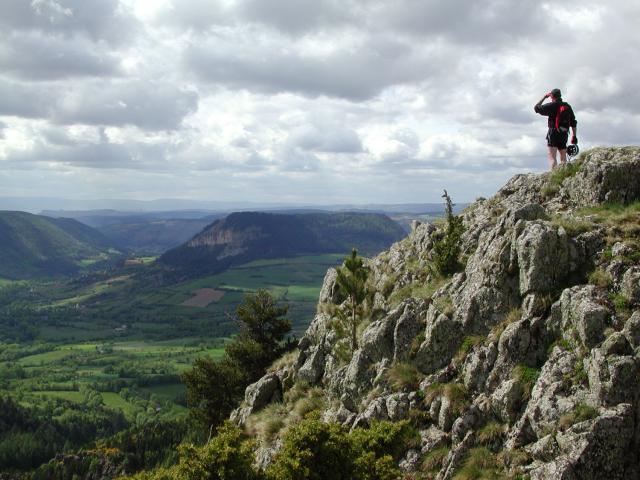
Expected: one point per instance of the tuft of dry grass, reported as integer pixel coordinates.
(403, 376)
(600, 278)
(432, 462)
(287, 360)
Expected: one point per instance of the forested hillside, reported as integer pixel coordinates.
(246, 236)
(36, 246)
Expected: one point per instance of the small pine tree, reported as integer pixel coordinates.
(447, 250)
(352, 282)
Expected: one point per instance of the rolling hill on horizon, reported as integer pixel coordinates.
(247, 236)
(34, 246)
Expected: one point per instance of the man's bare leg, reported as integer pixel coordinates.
(552, 157)
(563, 156)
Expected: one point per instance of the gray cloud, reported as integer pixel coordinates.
(31, 55)
(356, 74)
(297, 16)
(330, 139)
(99, 20)
(147, 104)
(22, 100)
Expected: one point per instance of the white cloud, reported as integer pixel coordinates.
(299, 100)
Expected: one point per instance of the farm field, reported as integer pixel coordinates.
(116, 340)
(132, 376)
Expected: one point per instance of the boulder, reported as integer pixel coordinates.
(264, 391)
(594, 449)
(632, 329)
(613, 379)
(606, 175)
(581, 309)
(329, 293)
(442, 339)
(543, 257)
(630, 287)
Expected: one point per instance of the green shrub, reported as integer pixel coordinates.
(228, 456)
(316, 450)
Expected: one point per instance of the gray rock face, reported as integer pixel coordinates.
(631, 285)
(397, 406)
(264, 391)
(442, 340)
(410, 323)
(329, 292)
(581, 418)
(313, 368)
(581, 310)
(606, 175)
(478, 365)
(632, 329)
(550, 399)
(489, 290)
(594, 449)
(543, 258)
(507, 399)
(613, 378)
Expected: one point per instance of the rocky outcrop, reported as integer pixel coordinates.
(531, 351)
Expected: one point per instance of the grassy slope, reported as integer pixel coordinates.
(36, 246)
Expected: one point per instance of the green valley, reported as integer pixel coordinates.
(114, 338)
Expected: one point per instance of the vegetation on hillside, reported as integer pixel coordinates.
(258, 235)
(33, 246)
(352, 282)
(215, 387)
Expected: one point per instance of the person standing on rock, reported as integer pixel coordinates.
(561, 117)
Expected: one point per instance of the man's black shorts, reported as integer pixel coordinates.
(558, 139)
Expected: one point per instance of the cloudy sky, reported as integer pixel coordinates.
(302, 101)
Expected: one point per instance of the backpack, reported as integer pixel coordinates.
(563, 117)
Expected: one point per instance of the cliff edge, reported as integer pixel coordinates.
(526, 361)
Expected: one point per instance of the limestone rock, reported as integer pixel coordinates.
(313, 368)
(606, 175)
(632, 329)
(613, 379)
(582, 310)
(329, 293)
(543, 257)
(631, 285)
(595, 449)
(264, 391)
(442, 340)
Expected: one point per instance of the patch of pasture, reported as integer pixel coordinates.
(203, 297)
